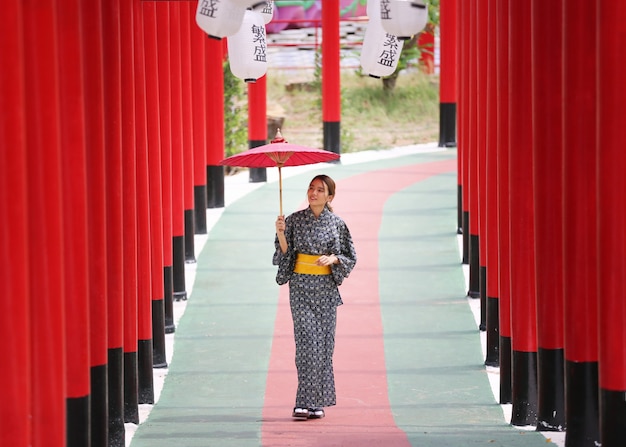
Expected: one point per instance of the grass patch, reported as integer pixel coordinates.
(371, 117)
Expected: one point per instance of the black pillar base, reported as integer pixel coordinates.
(215, 186)
(257, 175)
(492, 357)
(550, 377)
(332, 136)
(466, 237)
(505, 370)
(190, 240)
(99, 407)
(447, 124)
(131, 387)
(474, 274)
(582, 404)
(168, 299)
(613, 415)
(158, 334)
(524, 393)
(459, 207)
(78, 421)
(117, 432)
(482, 271)
(178, 270)
(145, 375)
(199, 198)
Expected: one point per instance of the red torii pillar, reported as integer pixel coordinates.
(145, 374)
(114, 216)
(521, 212)
(15, 423)
(547, 29)
(129, 206)
(45, 220)
(481, 152)
(492, 309)
(580, 273)
(447, 74)
(91, 23)
(154, 165)
(331, 77)
(214, 81)
(611, 158)
(177, 156)
(472, 152)
(187, 115)
(165, 128)
(463, 124)
(74, 209)
(198, 104)
(257, 122)
(504, 244)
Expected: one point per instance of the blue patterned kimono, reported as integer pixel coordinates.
(314, 299)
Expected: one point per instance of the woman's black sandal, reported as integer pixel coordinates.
(316, 413)
(302, 413)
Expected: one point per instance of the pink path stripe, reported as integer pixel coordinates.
(363, 414)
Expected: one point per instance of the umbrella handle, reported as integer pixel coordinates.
(280, 189)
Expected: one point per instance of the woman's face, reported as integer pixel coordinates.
(318, 193)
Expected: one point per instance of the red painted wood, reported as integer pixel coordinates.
(45, 223)
(548, 169)
(214, 75)
(144, 273)
(359, 354)
(492, 121)
(15, 423)
(448, 48)
(129, 173)
(504, 251)
(257, 110)
(74, 187)
(331, 77)
(176, 168)
(198, 101)
(187, 112)
(611, 193)
(165, 124)
(580, 273)
(154, 148)
(521, 206)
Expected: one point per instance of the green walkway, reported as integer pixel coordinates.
(437, 385)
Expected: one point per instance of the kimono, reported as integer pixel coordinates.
(314, 299)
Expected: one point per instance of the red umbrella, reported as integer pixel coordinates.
(279, 153)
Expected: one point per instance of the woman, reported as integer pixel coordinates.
(314, 253)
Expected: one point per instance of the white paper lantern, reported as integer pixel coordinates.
(403, 18)
(219, 18)
(380, 52)
(266, 9)
(245, 4)
(247, 49)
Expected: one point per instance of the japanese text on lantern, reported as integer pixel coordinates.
(388, 56)
(384, 9)
(258, 33)
(208, 7)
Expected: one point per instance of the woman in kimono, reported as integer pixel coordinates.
(314, 253)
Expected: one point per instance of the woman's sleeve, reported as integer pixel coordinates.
(347, 255)
(284, 261)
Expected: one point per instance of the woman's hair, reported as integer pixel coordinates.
(330, 184)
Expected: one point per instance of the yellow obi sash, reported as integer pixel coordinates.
(306, 264)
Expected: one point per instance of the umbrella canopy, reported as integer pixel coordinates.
(279, 153)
